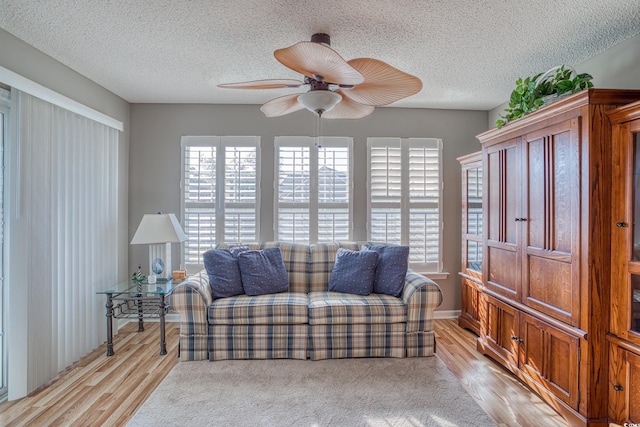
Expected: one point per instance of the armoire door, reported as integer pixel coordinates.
(502, 191)
(551, 221)
(550, 357)
(501, 331)
(624, 382)
(625, 233)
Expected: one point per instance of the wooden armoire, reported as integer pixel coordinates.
(546, 266)
(624, 336)
(471, 270)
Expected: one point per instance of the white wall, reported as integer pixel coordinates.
(155, 160)
(615, 68)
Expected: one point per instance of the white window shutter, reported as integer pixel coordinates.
(313, 193)
(405, 189)
(220, 198)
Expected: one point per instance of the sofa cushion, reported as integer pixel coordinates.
(335, 308)
(263, 272)
(322, 258)
(274, 309)
(353, 272)
(393, 262)
(295, 257)
(224, 271)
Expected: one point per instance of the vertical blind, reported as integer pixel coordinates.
(220, 197)
(63, 234)
(405, 189)
(313, 189)
(4, 126)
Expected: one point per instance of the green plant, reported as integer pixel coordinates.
(529, 94)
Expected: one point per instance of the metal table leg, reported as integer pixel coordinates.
(140, 313)
(163, 344)
(109, 325)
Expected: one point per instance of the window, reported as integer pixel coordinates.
(405, 189)
(219, 192)
(313, 189)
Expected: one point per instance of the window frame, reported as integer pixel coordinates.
(405, 204)
(219, 206)
(314, 205)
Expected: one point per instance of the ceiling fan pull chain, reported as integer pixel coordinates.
(318, 138)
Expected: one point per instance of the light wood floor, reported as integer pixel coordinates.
(107, 391)
(100, 390)
(507, 401)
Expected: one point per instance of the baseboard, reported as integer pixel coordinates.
(446, 314)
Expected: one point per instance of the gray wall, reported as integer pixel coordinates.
(155, 160)
(615, 68)
(23, 59)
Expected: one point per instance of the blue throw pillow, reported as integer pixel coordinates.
(224, 272)
(353, 272)
(263, 272)
(393, 262)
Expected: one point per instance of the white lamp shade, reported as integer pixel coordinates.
(319, 100)
(158, 228)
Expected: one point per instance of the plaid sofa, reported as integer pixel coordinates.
(308, 322)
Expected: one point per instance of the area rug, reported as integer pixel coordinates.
(416, 392)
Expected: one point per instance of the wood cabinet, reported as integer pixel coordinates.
(472, 246)
(533, 216)
(500, 331)
(542, 355)
(546, 270)
(624, 384)
(624, 357)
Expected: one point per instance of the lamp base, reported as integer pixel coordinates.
(160, 261)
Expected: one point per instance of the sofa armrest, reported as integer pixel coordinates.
(422, 296)
(191, 299)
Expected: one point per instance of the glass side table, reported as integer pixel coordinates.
(130, 300)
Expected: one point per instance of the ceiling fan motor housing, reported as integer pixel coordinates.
(316, 83)
(321, 38)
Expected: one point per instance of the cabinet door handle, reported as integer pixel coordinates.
(520, 340)
(621, 224)
(523, 219)
(618, 387)
(518, 219)
(513, 337)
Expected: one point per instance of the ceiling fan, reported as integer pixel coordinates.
(338, 89)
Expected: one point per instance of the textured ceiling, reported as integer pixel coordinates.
(467, 53)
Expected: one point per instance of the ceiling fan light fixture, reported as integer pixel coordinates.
(319, 101)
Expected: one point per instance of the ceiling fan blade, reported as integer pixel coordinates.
(383, 84)
(320, 62)
(263, 84)
(281, 106)
(348, 109)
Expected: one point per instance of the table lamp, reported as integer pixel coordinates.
(159, 231)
